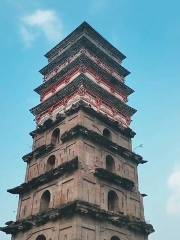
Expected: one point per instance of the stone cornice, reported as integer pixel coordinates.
(66, 167)
(84, 43)
(38, 152)
(69, 167)
(83, 208)
(83, 61)
(114, 178)
(89, 85)
(81, 131)
(49, 123)
(86, 28)
(127, 132)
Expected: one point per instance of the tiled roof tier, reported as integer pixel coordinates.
(90, 86)
(85, 28)
(84, 61)
(82, 208)
(84, 43)
(81, 105)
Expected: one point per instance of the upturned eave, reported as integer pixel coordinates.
(85, 44)
(84, 61)
(81, 29)
(81, 105)
(90, 86)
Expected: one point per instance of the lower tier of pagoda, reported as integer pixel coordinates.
(82, 208)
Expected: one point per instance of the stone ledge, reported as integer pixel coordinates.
(82, 131)
(81, 208)
(38, 152)
(114, 178)
(66, 167)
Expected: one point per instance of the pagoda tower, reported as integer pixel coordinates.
(81, 181)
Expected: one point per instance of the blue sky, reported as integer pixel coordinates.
(148, 33)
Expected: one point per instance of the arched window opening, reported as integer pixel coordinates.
(107, 133)
(50, 163)
(113, 201)
(41, 237)
(45, 200)
(115, 238)
(110, 165)
(55, 136)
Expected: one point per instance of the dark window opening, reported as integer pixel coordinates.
(113, 201)
(55, 138)
(45, 200)
(110, 165)
(107, 133)
(115, 238)
(41, 237)
(50, 163)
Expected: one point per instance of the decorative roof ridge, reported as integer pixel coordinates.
(79, 207)
(81, 105)
(93, 136)
(82, 61)
(86, 82)
(85, 43)
(63, 168)
(85, 27)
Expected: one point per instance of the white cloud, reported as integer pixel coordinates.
(173, 203)
(45, 22)
(28, 37)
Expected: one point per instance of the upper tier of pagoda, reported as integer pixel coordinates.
(84, 66)
(85, 30)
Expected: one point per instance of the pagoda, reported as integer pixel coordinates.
(81, 181)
